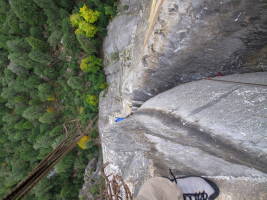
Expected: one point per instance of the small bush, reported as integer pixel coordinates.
(82, 143)
(84, 22)
(89, 15)
(75, 19)
(92, 100)
(86, 29)
(91, 64)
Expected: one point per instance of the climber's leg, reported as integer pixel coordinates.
(183, 188)
(159, 189)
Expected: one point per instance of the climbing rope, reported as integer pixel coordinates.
(154, 13)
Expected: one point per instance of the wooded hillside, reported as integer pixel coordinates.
(50, 73)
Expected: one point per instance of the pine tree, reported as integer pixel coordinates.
(25, 10)
(16, 69)
(55, 38)
(10, 118)
(36, 32)
(45, 91)
(3, 39)
(37, 44)
(52, 13)
(14, 24)
(65, 4)
(32, 113)
(38, 56)
(23, 125)
(75, 83)
(3, 58)
(32, 82)
(22, 59)
(47, 118)
(88, 45)
(18, 45)
(45, 72)
(8, 93)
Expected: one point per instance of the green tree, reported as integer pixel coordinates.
(88, 45)
(48, 118)
(25, 10)
(3, 40)
(10, 118)
(44, 91)
(22, 59)
(55, 38)
(13, 23)
(18, 70)
(37, 44)
(32, 113)
(36, 32)
(8, 93)
(23, 125)
(18, 45)
(76, 83)
(32, 82)
(68, 5)
(38, 56)
(52, 13)
(45, 72)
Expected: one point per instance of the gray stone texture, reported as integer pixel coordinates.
(190, 40)
(210, 128)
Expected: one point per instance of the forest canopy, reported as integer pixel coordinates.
(51, 72)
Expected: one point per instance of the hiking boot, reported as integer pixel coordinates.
(196, 188)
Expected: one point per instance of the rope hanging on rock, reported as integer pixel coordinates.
(154, 13)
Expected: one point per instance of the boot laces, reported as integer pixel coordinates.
(195, 196)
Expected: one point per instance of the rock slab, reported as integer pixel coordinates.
(210, 128)
(215, 128)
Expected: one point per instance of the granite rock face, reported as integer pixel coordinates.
(190, 40)
(211, 128)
